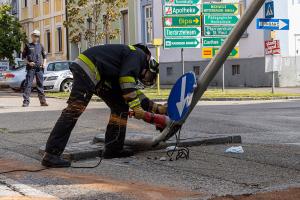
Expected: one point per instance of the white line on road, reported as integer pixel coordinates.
(11, 188)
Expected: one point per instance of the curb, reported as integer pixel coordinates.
(216, 99)
(88, 149)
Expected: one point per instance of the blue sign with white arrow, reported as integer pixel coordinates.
(273, 24)
(269, 9)
(181, 96)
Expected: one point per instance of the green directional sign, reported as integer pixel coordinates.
(212, 42)
(182, 43)
(182, 2)
(183, 21)
(221, 9)
(234, 53)
(210, 52)
(217, 30)
(182, 10)
(182, 32)
(220, 19)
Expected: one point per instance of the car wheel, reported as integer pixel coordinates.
(66, 85)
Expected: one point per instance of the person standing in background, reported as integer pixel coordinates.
(35, 58)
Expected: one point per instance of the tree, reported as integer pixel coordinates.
(11, 34)
(92, 20)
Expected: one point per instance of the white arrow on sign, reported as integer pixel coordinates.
(282, 24)
(181, 104)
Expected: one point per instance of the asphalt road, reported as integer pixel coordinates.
(271, 140)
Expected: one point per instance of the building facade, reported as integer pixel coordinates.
(290, 42)
(248, 70)
(47, 16)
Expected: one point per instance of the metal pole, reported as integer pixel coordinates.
(223, 78)
(214, 66)
(273, 75)
(158, 77)
(182, 60)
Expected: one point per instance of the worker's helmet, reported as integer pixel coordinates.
(153, 64)
(149, 78)
(36, 33)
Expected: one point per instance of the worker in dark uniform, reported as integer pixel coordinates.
(113, 73)
(35, 57)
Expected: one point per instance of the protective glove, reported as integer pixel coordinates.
(160, 121)
(163, 109)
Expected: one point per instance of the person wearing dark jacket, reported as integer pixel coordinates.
(35, 58)
(112, 72)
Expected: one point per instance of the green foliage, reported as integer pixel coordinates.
(100, 14)
(11, 34)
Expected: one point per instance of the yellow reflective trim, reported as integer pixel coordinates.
(127, 79)
(134, 103)
(91, 65)
(139, 92)
(132, 48)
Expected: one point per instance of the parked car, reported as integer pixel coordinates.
(57, 77)
(6, 68)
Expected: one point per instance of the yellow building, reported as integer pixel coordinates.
(47, 16)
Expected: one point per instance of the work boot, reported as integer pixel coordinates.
(44, 103)
(108, 154)
(54, 161)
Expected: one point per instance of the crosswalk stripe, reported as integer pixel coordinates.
(12, 188)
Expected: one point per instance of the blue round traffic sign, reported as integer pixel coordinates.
(181, 96)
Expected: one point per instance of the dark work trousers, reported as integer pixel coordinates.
(38, 73)
(80, 96)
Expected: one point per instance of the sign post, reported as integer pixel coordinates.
(272, 47)
(157, 42)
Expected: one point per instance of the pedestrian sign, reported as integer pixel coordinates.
(228, 9)
(269, 9)
(182, 32)
(182, 21)
(181, 96)
(182, 43)
(182, 10)
(210, 52)
(273, 24)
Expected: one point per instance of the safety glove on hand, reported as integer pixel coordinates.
(160, 121)
(160, 109)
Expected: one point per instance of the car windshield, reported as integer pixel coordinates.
(58, 66)
(20, 65)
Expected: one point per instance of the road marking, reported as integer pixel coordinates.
(12, 189)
